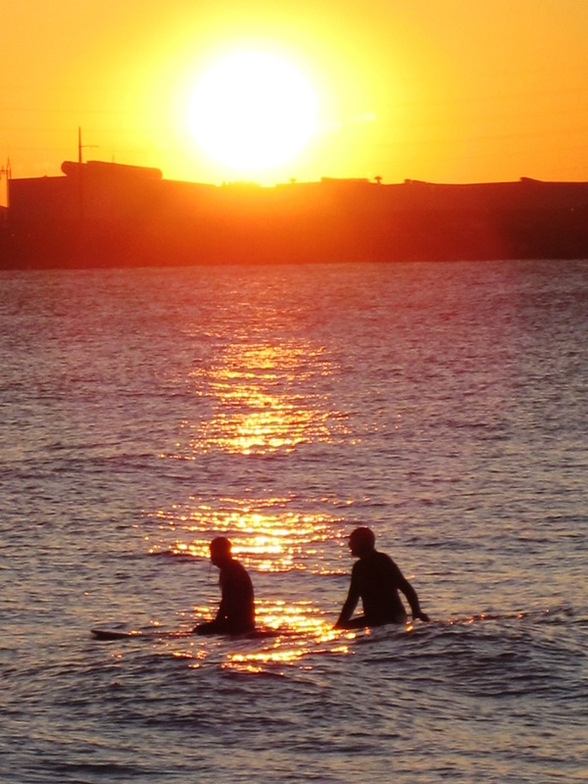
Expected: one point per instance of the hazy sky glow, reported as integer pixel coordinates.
(439, 90)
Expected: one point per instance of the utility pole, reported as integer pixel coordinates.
(80, 181)
(7, 172)
(81, 147)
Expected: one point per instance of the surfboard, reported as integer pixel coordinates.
(113, 634)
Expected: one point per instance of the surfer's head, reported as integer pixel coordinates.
(220, 550)
(362, 541)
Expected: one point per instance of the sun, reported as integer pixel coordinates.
(252, 111)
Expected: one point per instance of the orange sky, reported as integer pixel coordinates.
(438, 90)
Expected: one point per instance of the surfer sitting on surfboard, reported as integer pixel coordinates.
(236, 612)
(376, 579)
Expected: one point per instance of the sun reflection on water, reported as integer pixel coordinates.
(260, 398)
(263, 400)
(299, 631)
(289, 635)
(252, 400)
(270, 537)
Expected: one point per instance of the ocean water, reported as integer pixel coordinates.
(143, 412)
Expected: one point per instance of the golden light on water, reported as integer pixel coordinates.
(271, 538)
(300, 617)
(254, 400)
(267, 426)
(258, 406)
(293, 632)
(259, 399)
(301, 630)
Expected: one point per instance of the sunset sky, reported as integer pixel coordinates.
(437, 90)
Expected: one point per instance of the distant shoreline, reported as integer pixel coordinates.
(108, 215)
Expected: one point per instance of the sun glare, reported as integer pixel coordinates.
(252, 111)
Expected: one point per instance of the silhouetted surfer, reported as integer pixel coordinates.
(376, 579)
(236, 612)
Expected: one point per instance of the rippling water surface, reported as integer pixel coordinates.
(143, 412)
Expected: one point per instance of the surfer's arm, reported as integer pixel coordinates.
(349, 605)
(412, 599)
(402, 584)
(221, 613)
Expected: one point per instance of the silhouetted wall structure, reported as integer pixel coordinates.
(103, 214)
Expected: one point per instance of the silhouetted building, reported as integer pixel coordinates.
(106, 214)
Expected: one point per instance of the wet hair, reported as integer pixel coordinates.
(363, 538)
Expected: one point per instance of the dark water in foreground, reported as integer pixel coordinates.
(144, 412)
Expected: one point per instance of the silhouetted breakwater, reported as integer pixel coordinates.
(102, 214)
